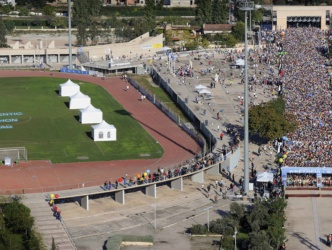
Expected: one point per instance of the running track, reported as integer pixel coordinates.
(43, 176)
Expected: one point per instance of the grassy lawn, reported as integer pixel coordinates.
(51, 131)
(161, 95)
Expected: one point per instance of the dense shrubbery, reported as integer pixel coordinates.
(16, 227)
(139, 11)
(259, 226)
(26, 22)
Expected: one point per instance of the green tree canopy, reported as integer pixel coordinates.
(259, 240)
(238, 31)
(204, 12)
(3, 39)
(150, 14)
(17, 217)
(86, 13)
(219, 11)
(49, 10)
(24, 11)
(270, 121)
(58, 22)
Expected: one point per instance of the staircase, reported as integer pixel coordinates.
(47, 225)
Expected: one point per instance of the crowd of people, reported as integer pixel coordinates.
(301, 180)
(162, 174)
(308, 96)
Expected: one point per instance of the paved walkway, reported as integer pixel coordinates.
(225, 100)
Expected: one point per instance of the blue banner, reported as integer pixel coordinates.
(319, 171)
(74, 71)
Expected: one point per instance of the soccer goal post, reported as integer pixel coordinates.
(16, 154)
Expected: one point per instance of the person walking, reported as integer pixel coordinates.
(216, 199)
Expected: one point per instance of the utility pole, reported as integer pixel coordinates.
(208, 217)
(246, 6)
(69, 35)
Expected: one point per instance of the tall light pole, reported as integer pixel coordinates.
(69, 35)
(246, 6)
(208, 217)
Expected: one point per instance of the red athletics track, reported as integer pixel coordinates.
(43, 176)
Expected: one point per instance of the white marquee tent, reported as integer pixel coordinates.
(79, 101)
(200, 86)
(103, 132)
(69, 88)
(264, 177)
(204, 91)
(240, 62)
(91, 115)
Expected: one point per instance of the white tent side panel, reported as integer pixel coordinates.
(91, 117)
(264, 177)
(79, 103)
(104, 132)
(69, 88)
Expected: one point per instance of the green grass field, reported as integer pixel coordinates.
(51, 131)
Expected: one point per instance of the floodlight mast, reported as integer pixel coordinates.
(246, 6)
(69, 35)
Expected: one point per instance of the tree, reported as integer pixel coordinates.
(257, 15)
(276, 220)
(93, 33)
(150, 14)
(238, 31)
(140, 27)
(230, 40)
(257, 218)
(259, 240)
(191, 45)
(10, 25)
(204, 12)
(3, 39)
(6, 9)
(159, 4)
(49, 10)
(34, 3)
(24, 11)
(219, 11)
(85, 13)
(39, 3)
(17, 217)
(270, 120)
(34, 240)
(57, 22)
(237, 211)
(205, 43)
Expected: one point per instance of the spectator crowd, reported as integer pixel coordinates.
(307, 92)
